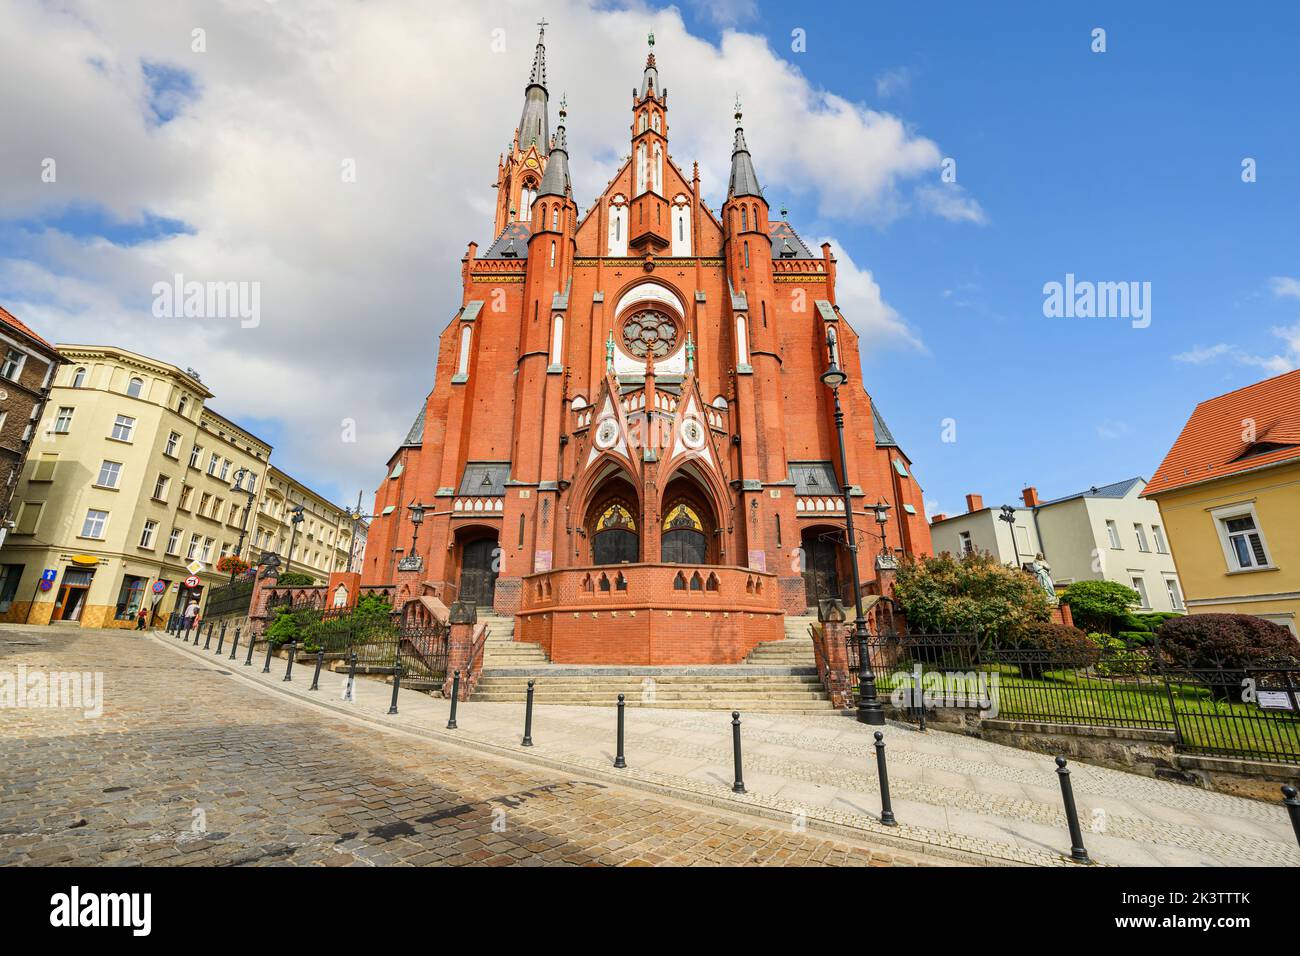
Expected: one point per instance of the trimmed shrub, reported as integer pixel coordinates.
(1120, 657)
(295, 579)
(1223, 645)
(284, 628)
(1095, 605)
(973, 593)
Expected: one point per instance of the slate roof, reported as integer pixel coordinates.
(744, 181)
(1116, 489)
(485, 478)
(415, 437)
(786, 243)
(513, 239)
(1213, 444)
(884, 437)
(814, 478)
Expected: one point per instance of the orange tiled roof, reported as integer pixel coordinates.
(1214, 441)
(9, 319)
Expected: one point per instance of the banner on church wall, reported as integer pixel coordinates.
(758, 560)
(541, 561)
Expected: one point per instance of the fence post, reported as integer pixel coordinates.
(397, 684)
(1293, 808)
(528, 718)
(1077, 851)
(315, 677)
(234, 644)
(739, 785)
(221, 638)
(266, 667)
(293, 653)
(886, 807)
(455, 695)
(349, 693)
(618, 757)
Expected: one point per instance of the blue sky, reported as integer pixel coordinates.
(1123, 165)
(1114, 167)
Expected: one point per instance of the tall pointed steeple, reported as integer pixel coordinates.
(744, 181)
(555, 181)
(650, 78)
(534, 127)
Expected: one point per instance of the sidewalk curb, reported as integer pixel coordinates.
(740, 804)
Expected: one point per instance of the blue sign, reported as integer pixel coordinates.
(159, 587)
(47, 578)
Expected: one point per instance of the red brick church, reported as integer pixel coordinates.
(628, 444)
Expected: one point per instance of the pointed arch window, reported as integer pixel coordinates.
(746, 255)
(462, 364)
(557, 340)
(744, 218)
(552, 255)
(654, 121)
(683, 538)
(135, 387)
(614, 538)
(79, 378)
(555, 217)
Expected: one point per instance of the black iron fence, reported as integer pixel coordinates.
(377, 640)
(230, 599)
(1252, 712)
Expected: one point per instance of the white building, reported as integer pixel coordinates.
(1106, 533)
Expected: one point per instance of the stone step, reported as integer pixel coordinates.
(622, 687)
(746, 706)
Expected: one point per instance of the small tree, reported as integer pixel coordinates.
(973, 593)
(1095, 605)
(1221, 646)
(284, 628)
(292, 579)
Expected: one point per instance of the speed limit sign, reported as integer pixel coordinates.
(192, 581)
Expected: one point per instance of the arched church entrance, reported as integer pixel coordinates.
(612, 526)
(479, 564)
(821, 563)
(687, 532)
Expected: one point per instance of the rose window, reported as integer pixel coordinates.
(649, 332)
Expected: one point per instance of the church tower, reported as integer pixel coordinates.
(628, 445)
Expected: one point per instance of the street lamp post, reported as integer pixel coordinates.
(869, 709)
(243, 525)
(1009, 516)
(412, 561)
(296, 520)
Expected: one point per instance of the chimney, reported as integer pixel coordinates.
(974, 503)
(1030, 497)
(939, 517)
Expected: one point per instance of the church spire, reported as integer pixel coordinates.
(533, 123)
(744, 181)
(555, 181)
(650, 78)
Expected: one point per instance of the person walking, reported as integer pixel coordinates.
(191, 613)
(142, 619)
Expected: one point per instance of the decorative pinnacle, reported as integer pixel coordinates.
(738, 113)
(651, 39)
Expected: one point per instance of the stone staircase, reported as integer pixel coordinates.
(778, 677)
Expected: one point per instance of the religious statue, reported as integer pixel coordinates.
(690, 353)
(609, 353)
(1043, 572)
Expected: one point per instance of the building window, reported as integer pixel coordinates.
(79, 378)
(13, 364)
(95, 523)
(225, 468)
(135, 387)
(174, 541)
(172, 441)
(182, 405)
(1175, 595)
(160, 488)
(1242, 539)
(462, 363)
(1162, 546)
(195, 452)
(213, 462)
(109, 473)
(967, 545)
(207, 550)
(1142, 537)
(203, 503)
(552, 255)
(63, 421)
(184, 503)
(1112, 532)
(146, 536)
(123, 428)
(130, 599)
(193, 548)
(747, 255)
(1140, 587)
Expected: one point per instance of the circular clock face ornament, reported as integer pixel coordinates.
(606, 434)
(693, 434)
(649, 332)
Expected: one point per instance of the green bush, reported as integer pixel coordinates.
(295, 579)
(1141, 638)
(1221, 646)
(285, 628)
(1119, 657)
(974, 593)
(1095, 605)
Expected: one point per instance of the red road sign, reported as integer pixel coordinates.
(192, 581)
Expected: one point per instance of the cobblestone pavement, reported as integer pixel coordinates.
(953, 795)
(189, 766)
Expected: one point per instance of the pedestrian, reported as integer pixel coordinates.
(191, 614)
(142, 619)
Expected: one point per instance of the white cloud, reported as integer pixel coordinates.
(1110, 429)
(726, 12)
(949, 201)
(1289, 358)
(357, 279)
(893, 81)
(859, 297)
(1285, 286)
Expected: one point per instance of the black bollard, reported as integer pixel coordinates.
(739, 785)
(234, 645)
(293, 652)
(528, 718)
(886, 808)
(1292, 807)
(252, 641)
(208, 643)
(266, 667)
(455, 695)
(618, 757)
(1077, 852)
(315, 678)
(397, 685)
(198, 632)
(349, 694)
(221, 638)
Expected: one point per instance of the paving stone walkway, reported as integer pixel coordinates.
(952, 795)
(189, 765)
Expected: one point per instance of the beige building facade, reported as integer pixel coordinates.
(324, 539)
